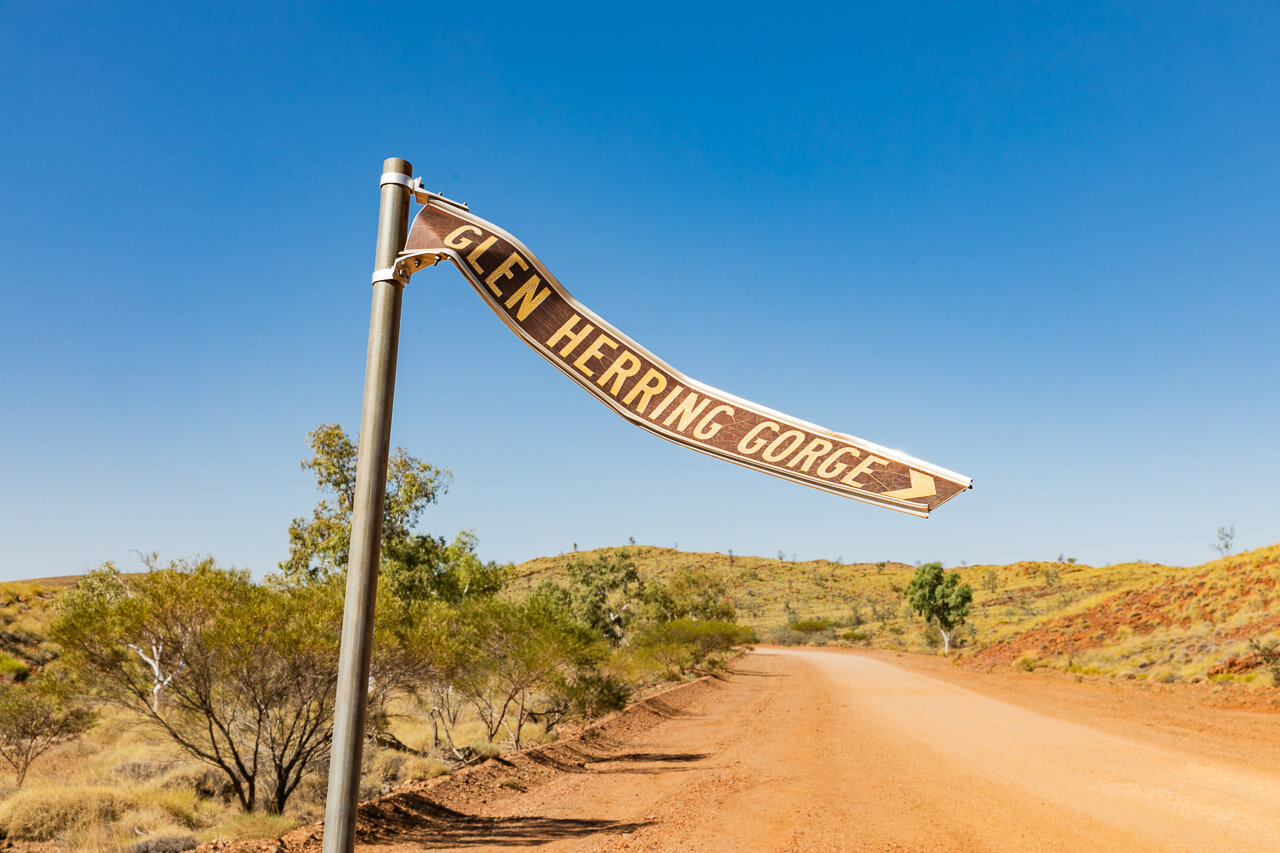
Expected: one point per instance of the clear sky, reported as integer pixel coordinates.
(1036, 244)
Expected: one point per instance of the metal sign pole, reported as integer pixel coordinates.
(366, 521)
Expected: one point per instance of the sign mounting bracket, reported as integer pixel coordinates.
(408, 263)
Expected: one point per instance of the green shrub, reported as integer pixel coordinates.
(1268, 652)
(1027, 662)
(593, 693)
(13, 669)
(417, 768)
(782, 635)
(812, 626)
(682, 644)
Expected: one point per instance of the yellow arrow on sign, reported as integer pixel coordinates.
(921, 487)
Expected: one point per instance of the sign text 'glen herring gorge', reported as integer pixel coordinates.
(646, 391)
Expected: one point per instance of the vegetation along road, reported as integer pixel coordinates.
(810, 750)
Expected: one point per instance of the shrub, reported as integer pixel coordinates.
(195, 651)
(35, 718)
(13, 669)
(60, 812)
(1268, 651)
(593, 693)
(165, 844)
(1027, 662)
(417, 768)
(203, 781)
(682, 644)
(140, 769)
(782, 635)
(523, 652)
(248, 826)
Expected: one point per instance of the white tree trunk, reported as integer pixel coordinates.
(159, 680)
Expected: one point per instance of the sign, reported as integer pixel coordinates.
(650, 393)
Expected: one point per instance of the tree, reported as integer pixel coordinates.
(940, 598)
(423, 645)
(1226, 538)
(320, 547)
(692, 594)
(522, 653)
(35, 717)
(603, 593)
(426, 567)
(239, 675)
(1268, 652)
(681, 644)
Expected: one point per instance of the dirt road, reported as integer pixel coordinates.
(810, 750)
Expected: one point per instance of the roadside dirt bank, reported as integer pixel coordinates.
(812, 750)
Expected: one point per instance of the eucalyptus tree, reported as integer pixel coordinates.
(940, 598)
(320, 546)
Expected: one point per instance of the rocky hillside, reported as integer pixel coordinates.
(1136, 620)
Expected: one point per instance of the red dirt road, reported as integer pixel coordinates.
(812, 750)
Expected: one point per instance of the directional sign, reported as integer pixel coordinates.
(650, 393)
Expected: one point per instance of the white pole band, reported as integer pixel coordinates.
(389, 274)
(396, 178)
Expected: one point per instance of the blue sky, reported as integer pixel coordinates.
(1036, 244)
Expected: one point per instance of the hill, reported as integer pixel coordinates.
(26, 609)
(1135, 620)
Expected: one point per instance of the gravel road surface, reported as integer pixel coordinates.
(816, 750)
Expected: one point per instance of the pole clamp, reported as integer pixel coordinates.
(396, 178)
(407, 264)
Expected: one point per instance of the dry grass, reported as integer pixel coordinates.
(81, 815)
(247, 827)
(763, 590)
(1134, 620)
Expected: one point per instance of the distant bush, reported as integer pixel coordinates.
(681, 644)
(140, 769)
(13, 669)
(1027, 662)
(782, 635)
(1268, 651)
(253, 825)
(593, 693)
(203, 781)
(812, 626)
(166, 844)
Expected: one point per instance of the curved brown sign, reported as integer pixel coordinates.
(651, 394)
